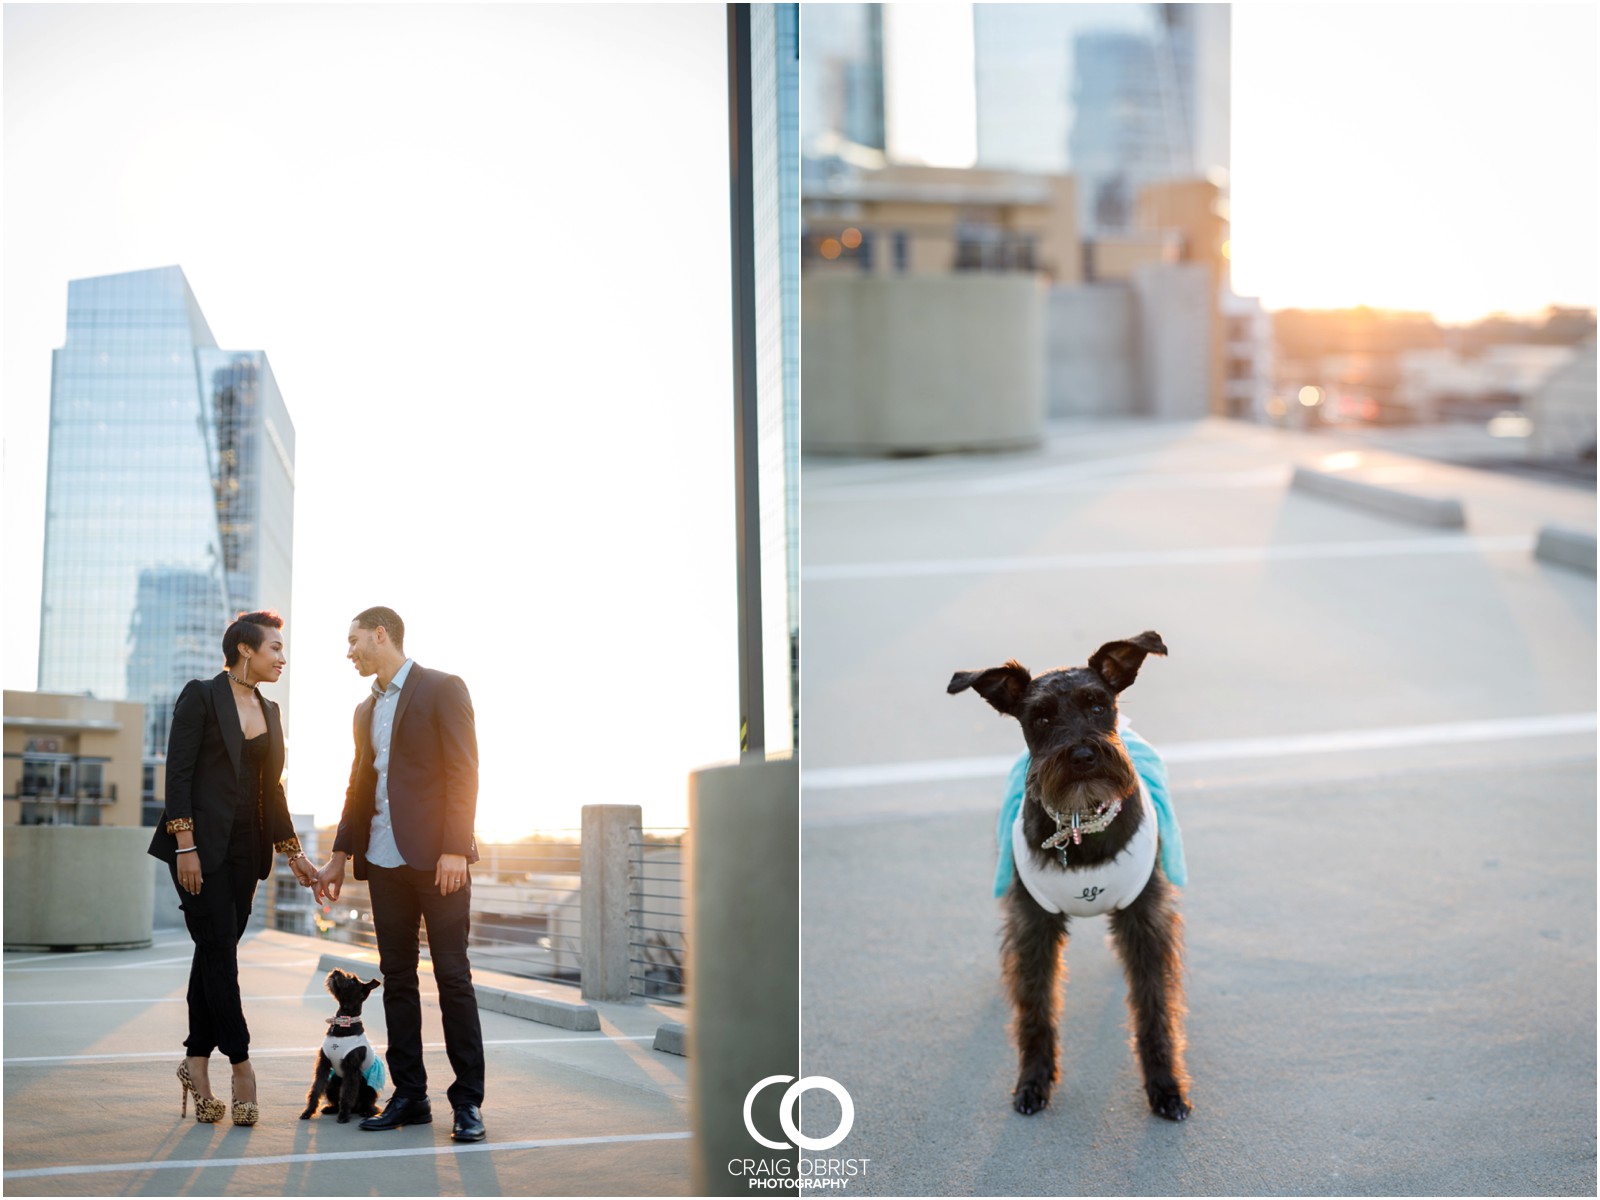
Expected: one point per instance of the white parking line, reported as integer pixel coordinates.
(1226, 750)
(60, 954)
(1211, 556)
(946, 483)
(1056, 482)
(149, 962)
(155, 962)
(149, 1000)
(273, 1160)
(299, 1051)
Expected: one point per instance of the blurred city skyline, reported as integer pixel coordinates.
(510, 379)
(1367, 166)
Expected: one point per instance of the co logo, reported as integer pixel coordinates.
(786, 1112)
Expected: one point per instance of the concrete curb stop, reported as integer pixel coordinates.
(1442, 511)
(580, 1018)
(672, 1038)
(1567, 546)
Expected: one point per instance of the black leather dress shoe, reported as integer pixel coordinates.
(401, 1111)
(469, 1124)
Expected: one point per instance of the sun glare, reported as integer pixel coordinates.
(1369, 169)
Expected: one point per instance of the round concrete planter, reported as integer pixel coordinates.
(70, 886)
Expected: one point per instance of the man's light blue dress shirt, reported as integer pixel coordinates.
(382, 850)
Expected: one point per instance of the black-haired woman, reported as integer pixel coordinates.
(226, 814)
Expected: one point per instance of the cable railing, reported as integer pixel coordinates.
(656, 943)
(527, 911)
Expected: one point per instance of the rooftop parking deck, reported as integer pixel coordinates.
(92, 1041)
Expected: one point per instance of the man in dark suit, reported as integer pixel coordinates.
(407, 821)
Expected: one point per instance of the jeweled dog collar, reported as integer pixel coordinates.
(1077, 826)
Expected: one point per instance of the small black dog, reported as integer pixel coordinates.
(1085, 843)
(346, 1056)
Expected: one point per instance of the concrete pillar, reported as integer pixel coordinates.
(744, 964)
(1093, 351)
(70, 886)
(1175, 302)
(923, 363)
(606, 896)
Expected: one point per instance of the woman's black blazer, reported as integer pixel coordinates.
(203, 752)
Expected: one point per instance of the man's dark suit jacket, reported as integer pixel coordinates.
(433, 774)
(203, 751)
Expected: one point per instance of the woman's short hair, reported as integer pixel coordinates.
(249, 629)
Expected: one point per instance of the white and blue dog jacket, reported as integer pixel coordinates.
(1095, 889)
(344, 1035)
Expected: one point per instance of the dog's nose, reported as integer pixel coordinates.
(1081, 756)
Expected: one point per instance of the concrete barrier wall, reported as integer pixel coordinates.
(922, 363)
(77, 885)
(1092, 331)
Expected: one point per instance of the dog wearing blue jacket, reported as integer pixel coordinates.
(348, 1069)
(1087, 830)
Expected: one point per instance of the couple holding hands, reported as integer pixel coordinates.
(407, 822)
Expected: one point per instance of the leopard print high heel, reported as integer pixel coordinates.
(245, 1112)
(206, 1110)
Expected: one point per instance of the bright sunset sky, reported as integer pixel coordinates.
(1434, 157)
(486, 252)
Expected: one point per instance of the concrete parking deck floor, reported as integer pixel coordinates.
(92, 1104)
(1382, 745)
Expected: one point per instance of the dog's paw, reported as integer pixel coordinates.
(1169, 1103)
(1030, 1098)
(327, 1108)
(344, 1118)
(306, 1116)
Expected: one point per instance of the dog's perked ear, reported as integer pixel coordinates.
(1118, 662)
(1002, 687)
(370, 985)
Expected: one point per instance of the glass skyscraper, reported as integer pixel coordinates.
(1119, 95)
(170, 501)
(843, 87)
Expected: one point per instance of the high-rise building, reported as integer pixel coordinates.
(1125, 131)
(1119, 95)
(1198, 39)
(1023, 70)
(170, 501)
(842, 92)
(775, 121)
